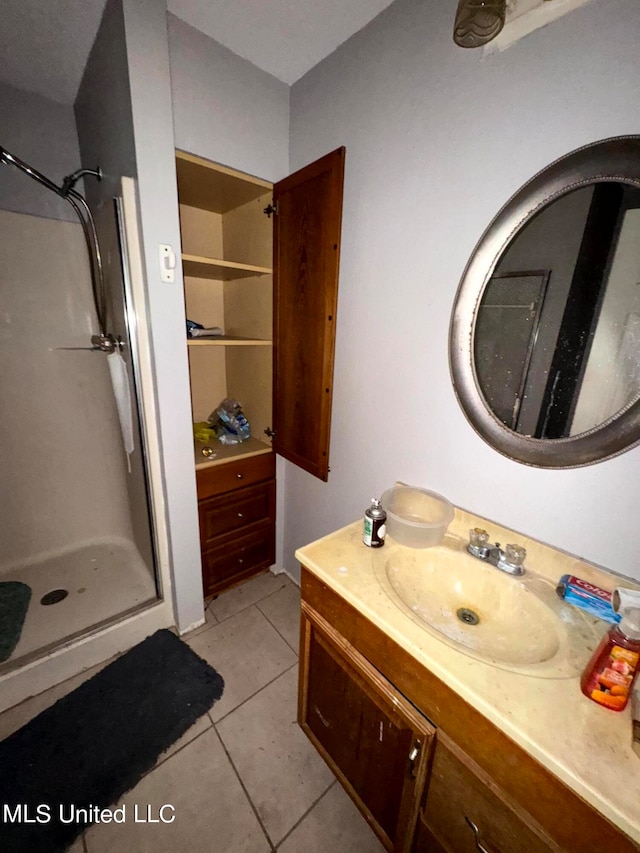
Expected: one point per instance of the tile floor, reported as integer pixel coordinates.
(244, 778)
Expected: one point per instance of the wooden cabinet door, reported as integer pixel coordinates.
(373, 739)
(306, 252)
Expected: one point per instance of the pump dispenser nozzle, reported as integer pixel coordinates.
(627, 603)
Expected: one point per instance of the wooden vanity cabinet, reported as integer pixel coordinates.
(465, 811)
(260, 262)
(373, 739)
(480, 792)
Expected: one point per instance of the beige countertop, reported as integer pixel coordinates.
(586, 746)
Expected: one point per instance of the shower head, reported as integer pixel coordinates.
(70, 181)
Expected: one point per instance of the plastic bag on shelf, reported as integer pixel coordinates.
(229, 422)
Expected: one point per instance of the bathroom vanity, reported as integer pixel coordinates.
(442, 751)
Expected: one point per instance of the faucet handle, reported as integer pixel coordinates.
(478, 543)
(478, 537)
(511, 560)
(514, 555)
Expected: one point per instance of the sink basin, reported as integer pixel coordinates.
(518, 624)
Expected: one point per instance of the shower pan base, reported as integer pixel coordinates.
(103, 579)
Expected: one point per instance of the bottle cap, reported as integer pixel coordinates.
(627, 602)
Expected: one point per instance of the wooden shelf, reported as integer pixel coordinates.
(209, 186)
(228, 452)
(215, 268)
(228, 341)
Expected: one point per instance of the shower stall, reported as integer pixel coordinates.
(78, 547)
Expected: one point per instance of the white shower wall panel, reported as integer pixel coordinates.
(62, 466)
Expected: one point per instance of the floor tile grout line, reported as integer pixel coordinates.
(207, 626)
(212, 614)
(253, 603)
(275, 628)
(246, 792)
(202, 629)
(310, 809)
(244, 701)
(184, 745)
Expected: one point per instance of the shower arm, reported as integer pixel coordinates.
(103, 341)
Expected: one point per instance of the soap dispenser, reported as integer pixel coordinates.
(609, 675)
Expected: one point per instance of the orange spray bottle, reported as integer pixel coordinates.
(609, 675)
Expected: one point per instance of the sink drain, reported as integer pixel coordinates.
(54, 596)
(469, 617)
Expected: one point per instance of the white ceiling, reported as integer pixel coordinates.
(44, 44)
(284, 37)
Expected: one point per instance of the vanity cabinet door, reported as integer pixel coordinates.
(373, 739)
(466, 811)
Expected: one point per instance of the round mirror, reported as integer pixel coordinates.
(545, 331)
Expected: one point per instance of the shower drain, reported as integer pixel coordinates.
(54, 596)
(468, 616)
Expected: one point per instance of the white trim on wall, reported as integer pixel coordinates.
(525, 16)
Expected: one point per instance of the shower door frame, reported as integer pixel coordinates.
(97, 645)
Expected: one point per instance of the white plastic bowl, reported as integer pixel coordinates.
(416, 517)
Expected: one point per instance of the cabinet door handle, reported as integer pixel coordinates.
(476, 836)
(413, 757)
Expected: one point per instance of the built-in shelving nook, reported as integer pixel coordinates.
(227, 267)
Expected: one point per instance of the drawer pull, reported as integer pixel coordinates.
(240, 515)
(239, 476)
(476, 836)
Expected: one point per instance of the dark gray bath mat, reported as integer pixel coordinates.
(97, 742)
(14, 603)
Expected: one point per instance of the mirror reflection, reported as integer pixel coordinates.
(557, 331)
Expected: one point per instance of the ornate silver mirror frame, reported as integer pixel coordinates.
(611, 160)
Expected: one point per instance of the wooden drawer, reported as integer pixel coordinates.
(234, 475)
(460, 793)
(238, 558)
(223, 514)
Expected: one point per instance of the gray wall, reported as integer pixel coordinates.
(225, 108)
(103, 108)
(105, 129)
(124, 115)
(150, 91)
(437, 140)
(43, 134)
(231, 112)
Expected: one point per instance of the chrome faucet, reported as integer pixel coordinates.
(509, 560)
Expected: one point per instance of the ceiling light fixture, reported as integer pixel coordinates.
(478, 21)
